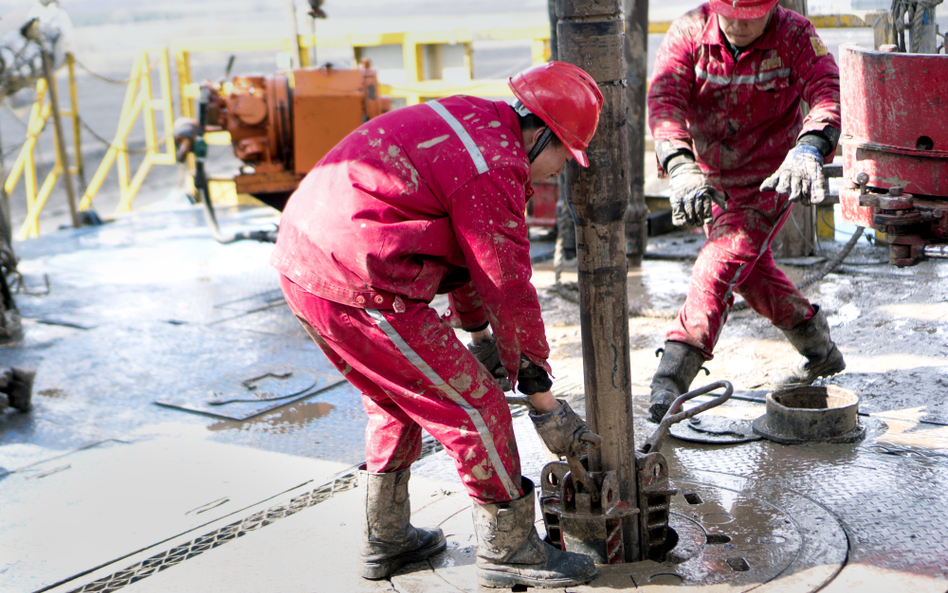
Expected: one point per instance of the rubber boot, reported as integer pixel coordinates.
(388, 539)
(679, 367)
(511, 553)
(17, 384)
(821, 357)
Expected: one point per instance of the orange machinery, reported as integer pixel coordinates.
(281, 125)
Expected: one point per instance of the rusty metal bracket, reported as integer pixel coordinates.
(654, 488)
(584, 517)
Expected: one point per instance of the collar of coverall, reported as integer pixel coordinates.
(712, 34)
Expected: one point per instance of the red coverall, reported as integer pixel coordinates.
(740, 118)
(423, 200)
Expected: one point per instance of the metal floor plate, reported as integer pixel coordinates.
(774, 540)
(893, 508)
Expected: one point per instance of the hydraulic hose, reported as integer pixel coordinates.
(199, 147)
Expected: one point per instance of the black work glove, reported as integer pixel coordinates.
(532, 378)
(800, 175)
(564, 433)
(691, 195)
(488, 355)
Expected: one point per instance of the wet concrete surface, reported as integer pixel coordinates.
(149, 307)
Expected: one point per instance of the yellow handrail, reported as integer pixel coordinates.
(25, 164)
(139, 101)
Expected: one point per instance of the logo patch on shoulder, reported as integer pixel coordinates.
(818, 46)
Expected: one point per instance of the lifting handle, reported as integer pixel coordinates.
(673, 416)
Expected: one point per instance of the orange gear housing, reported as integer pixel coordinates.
(282, 125)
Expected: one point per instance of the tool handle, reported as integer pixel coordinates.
(673, 416)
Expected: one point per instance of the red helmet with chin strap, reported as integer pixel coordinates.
(742, 9)
(566, 98)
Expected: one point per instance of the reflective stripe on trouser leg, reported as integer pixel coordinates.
(372, 362)
(739, 241)
(450, 391)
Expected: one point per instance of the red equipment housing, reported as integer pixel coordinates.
(895, 149)
(281, 125)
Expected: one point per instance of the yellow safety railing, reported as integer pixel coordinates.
(415, 88)
(139, 101)
(25, 164)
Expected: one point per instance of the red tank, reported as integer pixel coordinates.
(895, 149)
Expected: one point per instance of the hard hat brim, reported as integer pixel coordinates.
(580, 156)
(742, 9)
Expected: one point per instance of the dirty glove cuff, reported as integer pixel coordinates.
(806, 149)
(678, 160)
(817, 141)
(532, 378)
(487, 354)
(564, 433)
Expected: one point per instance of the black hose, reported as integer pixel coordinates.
(571, 294)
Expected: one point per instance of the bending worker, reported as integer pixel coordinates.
(426, 200)
(724, 110)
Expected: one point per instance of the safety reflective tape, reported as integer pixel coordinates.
(483, 432)
(747, 79)
(479, 162)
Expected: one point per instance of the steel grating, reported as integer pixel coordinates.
(219, 537)
(164, 560)
(892, 508)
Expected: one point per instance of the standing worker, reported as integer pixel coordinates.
(724, 110)
(428, 200)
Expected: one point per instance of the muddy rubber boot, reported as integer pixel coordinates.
(679, 367)
(17, 384)
(821, 357)
(511, 553)
(388, 539)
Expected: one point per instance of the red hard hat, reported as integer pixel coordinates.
(742, 9)
(566, 99)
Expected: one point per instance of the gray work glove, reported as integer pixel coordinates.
(691, 196)
(564, 433)
(487, 354)
(800, 175)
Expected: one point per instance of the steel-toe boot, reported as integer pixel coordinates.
(511, 553)
(679, 367)
(821, 357)
(388, 538)
(17, 384)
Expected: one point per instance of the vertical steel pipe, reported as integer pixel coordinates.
(636, 58)
(590, 34)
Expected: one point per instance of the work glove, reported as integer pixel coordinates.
(564, 433)
(489, 356)
(800, 175)
(532, 378)
(691, 196)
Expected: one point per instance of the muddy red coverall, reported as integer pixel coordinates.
(740, 118)
(423, 200)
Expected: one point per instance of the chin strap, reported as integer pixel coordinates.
(542, 141)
